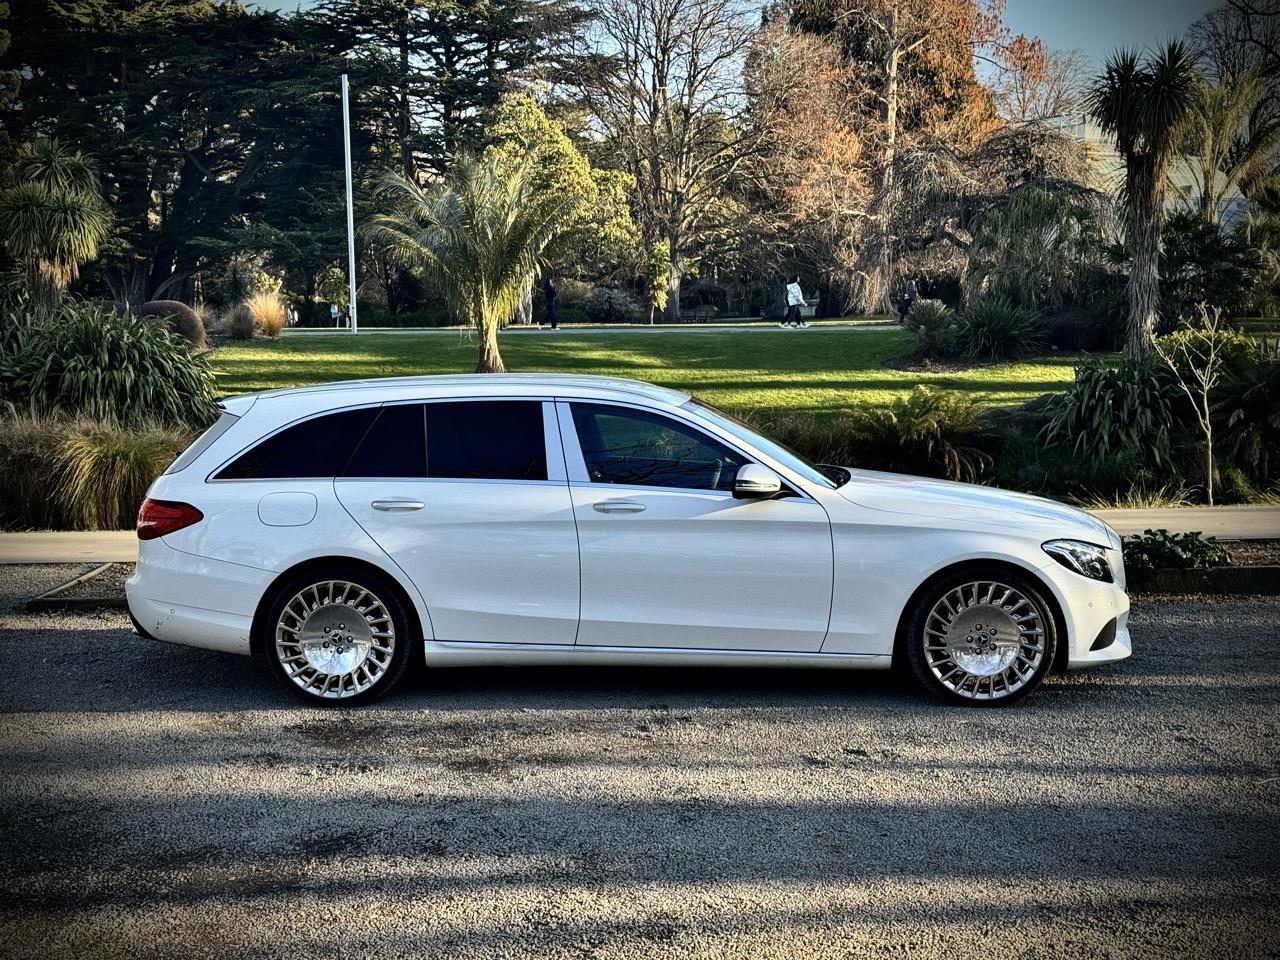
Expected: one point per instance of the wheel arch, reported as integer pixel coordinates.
(256, 632)
(1046, 589)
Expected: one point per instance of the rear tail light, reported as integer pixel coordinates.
(158, 517)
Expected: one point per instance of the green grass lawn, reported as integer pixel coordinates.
(783, 370)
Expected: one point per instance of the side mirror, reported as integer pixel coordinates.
(756, 482)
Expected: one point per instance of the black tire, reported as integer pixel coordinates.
(316, 671)
(1019, 624)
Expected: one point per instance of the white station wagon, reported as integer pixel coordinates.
(544, 519)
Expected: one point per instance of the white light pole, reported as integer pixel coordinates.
(351, 213)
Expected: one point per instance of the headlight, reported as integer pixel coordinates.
(1086, 559)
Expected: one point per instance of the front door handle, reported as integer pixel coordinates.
(397, 506)
(617, 506)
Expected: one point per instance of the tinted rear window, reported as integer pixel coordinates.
(203, 442)
(394, 446)
(486, 440)
(319, 447)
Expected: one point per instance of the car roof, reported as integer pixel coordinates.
(470, 384)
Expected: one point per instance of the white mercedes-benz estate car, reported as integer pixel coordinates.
(335, 531)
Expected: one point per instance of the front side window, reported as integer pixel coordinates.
(622, 445)
(315, 448)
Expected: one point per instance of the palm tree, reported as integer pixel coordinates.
(1233, 145)
(481, 234)
(1034, 249)
(1143, 102)
(53, 219)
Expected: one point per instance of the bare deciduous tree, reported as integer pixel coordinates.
(940, 35)
(1033, 82)
(1196, 358)
(807, 186)
(666, 94)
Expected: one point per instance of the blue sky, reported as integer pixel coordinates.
(1094, 26)
(1099, 26)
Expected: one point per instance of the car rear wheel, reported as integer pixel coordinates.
(337, 637)
(981, 637)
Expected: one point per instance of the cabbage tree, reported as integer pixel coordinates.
(53, 218)
(1143, 102)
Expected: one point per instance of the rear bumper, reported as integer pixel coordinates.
(181, 598)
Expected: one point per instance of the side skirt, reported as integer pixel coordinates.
(443, 653)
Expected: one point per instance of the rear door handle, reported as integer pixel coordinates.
(617, 506)
(397, 506)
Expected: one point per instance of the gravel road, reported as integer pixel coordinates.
(166, 802)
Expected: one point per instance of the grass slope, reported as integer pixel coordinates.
(784, 370)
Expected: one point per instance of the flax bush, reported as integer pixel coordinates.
(937, 332)
(997, 329)
(88, 361)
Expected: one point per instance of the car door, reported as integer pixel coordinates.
(670, 558)
(469, 497)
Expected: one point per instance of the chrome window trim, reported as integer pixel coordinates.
(554, 454)
(577, 465)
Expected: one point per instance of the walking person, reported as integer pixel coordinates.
(909, 295)
(795, 300)
(549, 295)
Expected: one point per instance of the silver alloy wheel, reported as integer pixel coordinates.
(984, 640)
(335, 639)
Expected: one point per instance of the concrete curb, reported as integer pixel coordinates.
(1256, 581)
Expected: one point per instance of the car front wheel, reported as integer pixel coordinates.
(337, 637)
(981, 637)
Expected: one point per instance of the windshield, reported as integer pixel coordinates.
(788, 458)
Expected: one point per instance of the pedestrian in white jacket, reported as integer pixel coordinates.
(795, 300)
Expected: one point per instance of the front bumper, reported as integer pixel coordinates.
(1088, 608)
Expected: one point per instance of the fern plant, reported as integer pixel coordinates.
(929, 432)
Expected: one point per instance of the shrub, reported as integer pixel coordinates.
(104, 471)
(1081, 327)
(28, 470)
(928, 432)
(997, 329)
(89, 361)
(935, 327)
(1113, 418)
(181, 319)
(238, 323)
(820, 439)
(79, 474)
(607, 305)
(1248, 410)
(270, 315)
(206, 316)
(1201, 263)
(1162, 550)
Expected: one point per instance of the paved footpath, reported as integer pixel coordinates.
(747, 326)
(121, 546)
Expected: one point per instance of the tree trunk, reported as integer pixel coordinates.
(490, 360)
(1208, 464)
(404, 119)
(674, 279)
(1144, 245)
(875, 266)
